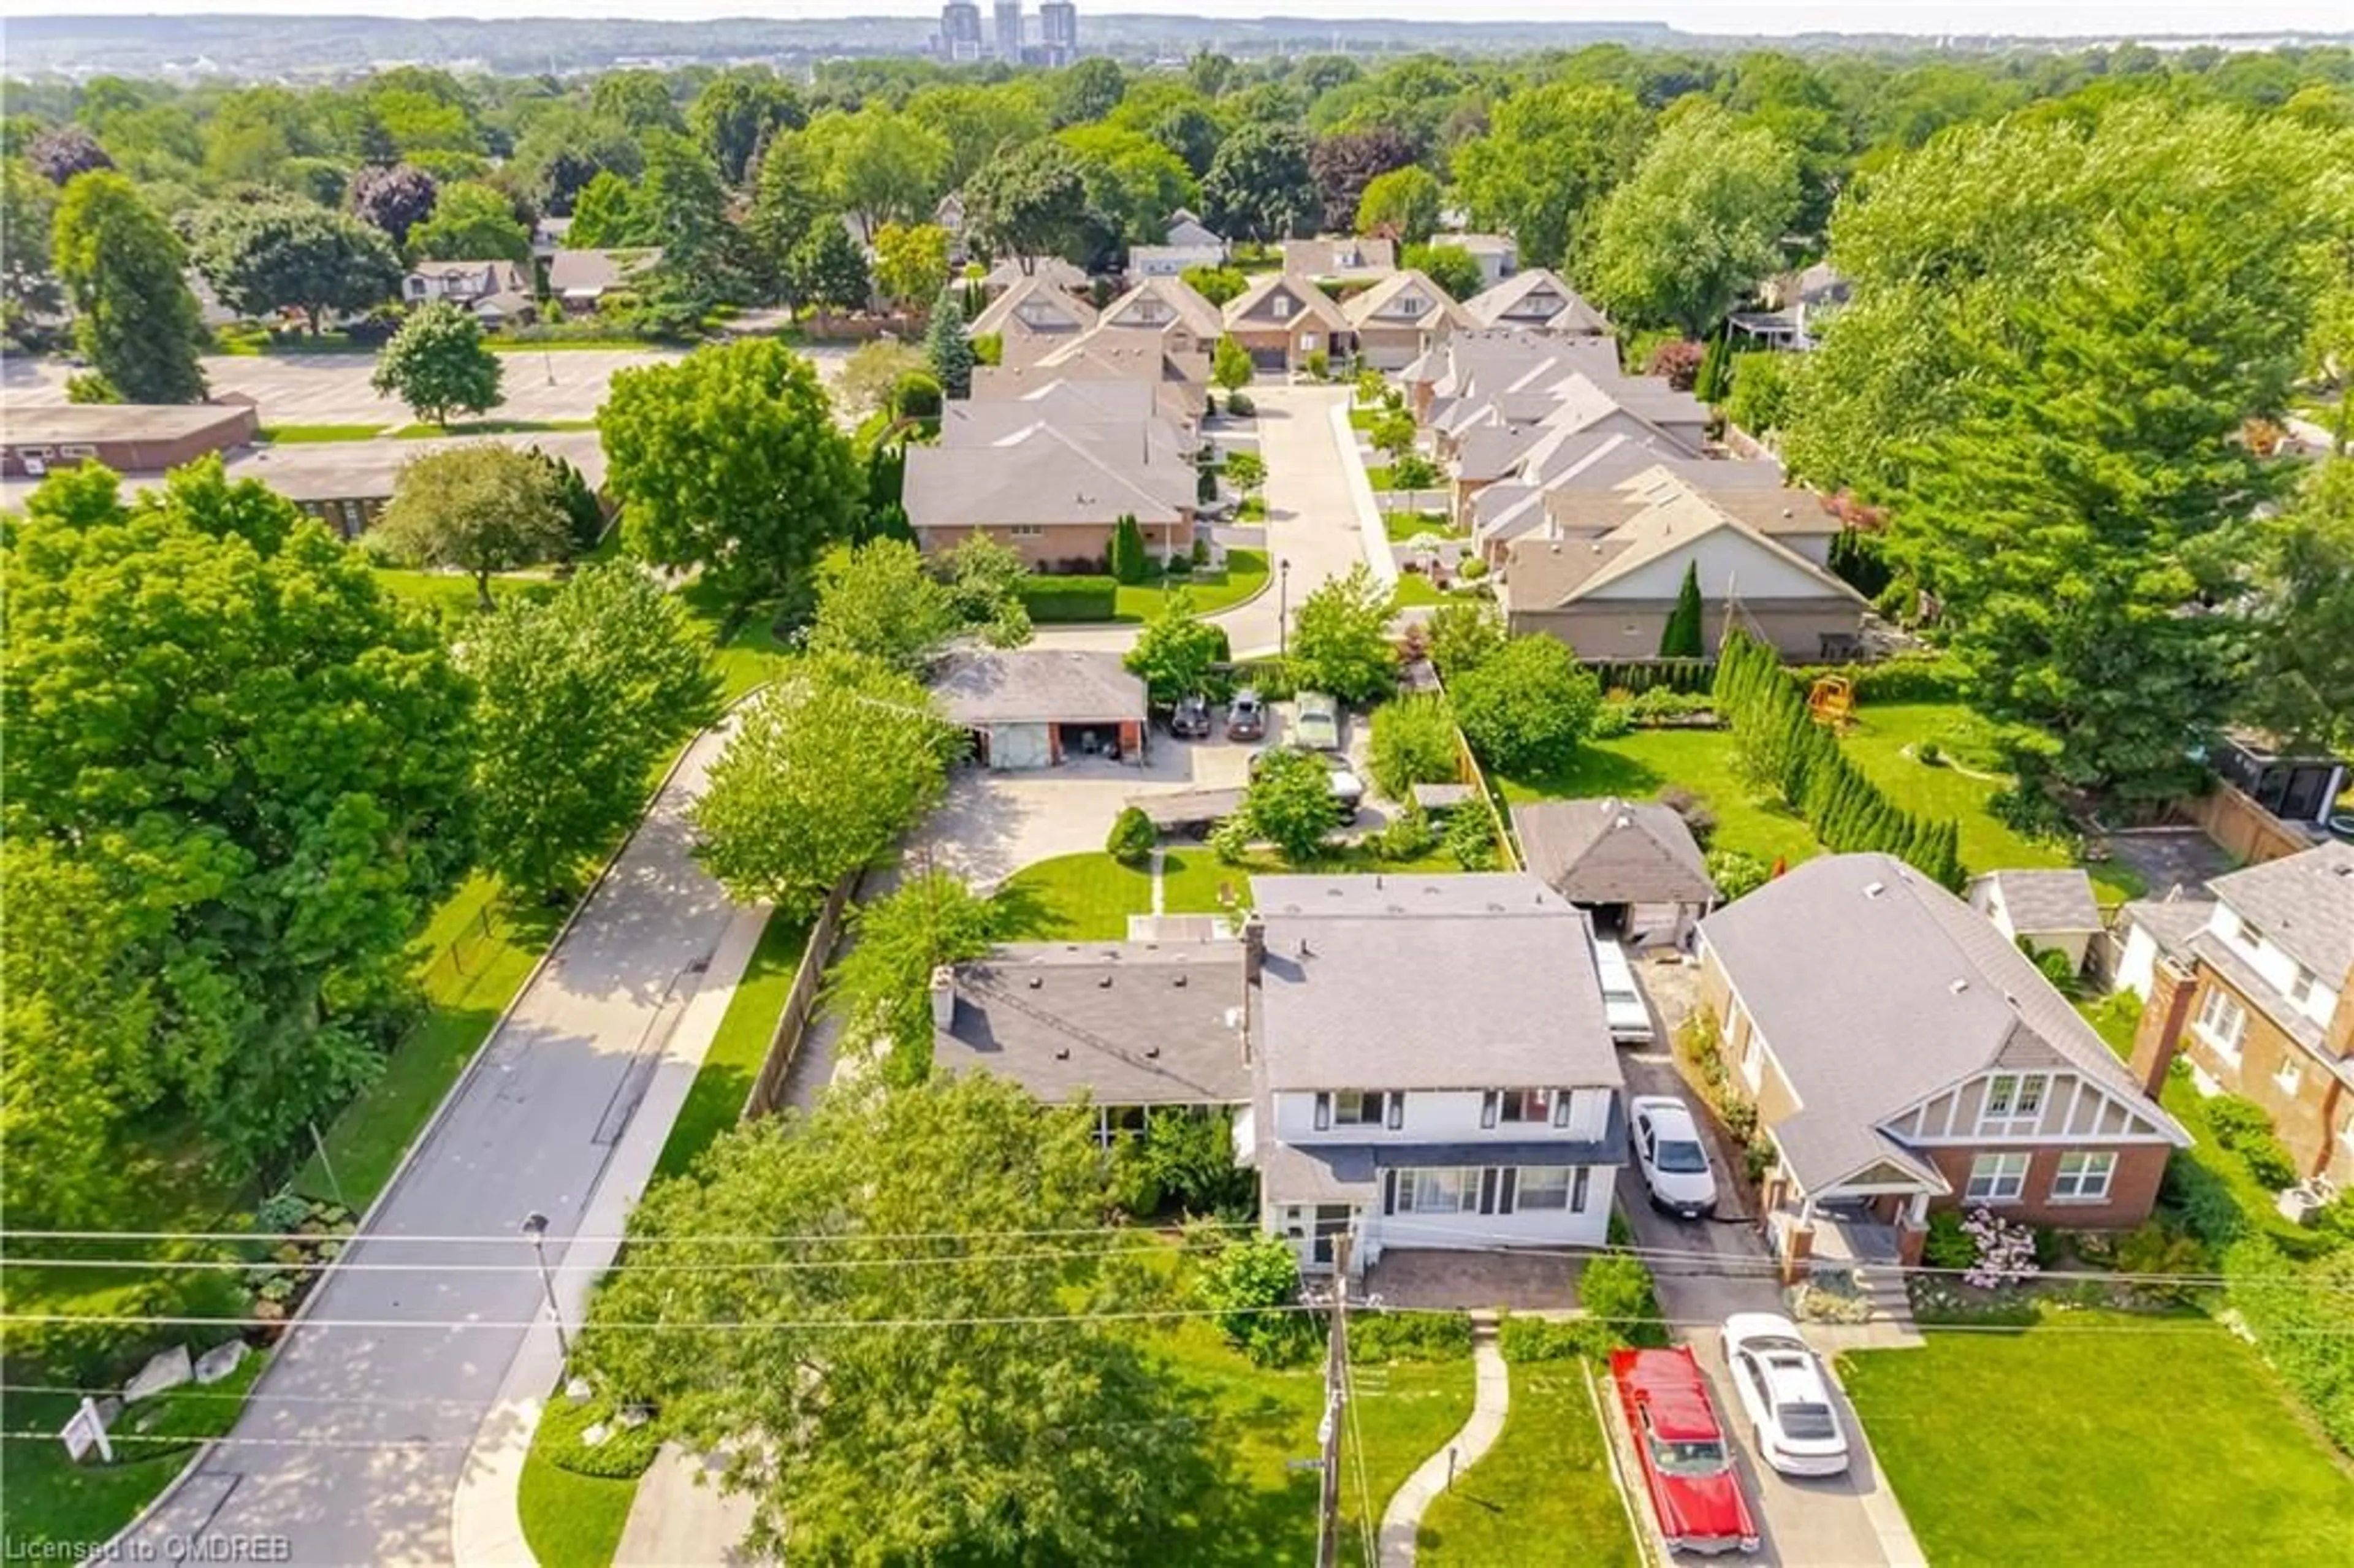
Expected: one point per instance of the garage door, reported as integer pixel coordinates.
(1014, 746)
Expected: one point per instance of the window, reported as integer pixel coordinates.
(76, 449)
(1279, 306)
(2221, 1021)
(2013, 1102)
(1753, 1060)
(2346, 1133)
(2300, 989)
(1027, 531)
(1545, 1187)
(2288, 1078)
(2082, 1178)
(1526, 1105)
(1437, 1191)
(1578, 1181)
(1996, 1179)
(1357, 1108)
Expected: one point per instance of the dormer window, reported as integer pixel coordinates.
(1279, 306)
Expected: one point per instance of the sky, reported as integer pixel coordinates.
(2142, 18)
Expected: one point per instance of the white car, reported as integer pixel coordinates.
(1782, 1390)
(1674, 1160)
(1316, 722)
(1623, 1007)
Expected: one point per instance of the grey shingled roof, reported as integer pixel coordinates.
(1421, 982)
(1609, 851)
(2303, 902)
(2051, 900)
(1050, 685)
(2171, 921)
(1875, 988)
(1120, 1023)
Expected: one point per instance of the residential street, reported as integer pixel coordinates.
(357, 1436)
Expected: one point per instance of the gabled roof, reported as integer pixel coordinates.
(1042, 475)
(1063, 403)
(1611, 851)
(1184, 305)
(2303, 904)
(1003, 316)
(1188, 231)
(1874, 989)
(1334, 255)
(1423, 304)
(2054, 899)
(1751, 492)
(1309, 300)
(595, 271)
(1017, 685)
(1350, 993)
(1537, 297)
(1009, 270)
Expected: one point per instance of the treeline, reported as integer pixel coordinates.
(1778, 746)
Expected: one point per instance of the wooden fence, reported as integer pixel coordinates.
(767, 1090)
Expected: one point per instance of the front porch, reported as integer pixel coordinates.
(1843, 1226)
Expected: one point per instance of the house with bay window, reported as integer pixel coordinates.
(1430, 1066)
(1904, 1055)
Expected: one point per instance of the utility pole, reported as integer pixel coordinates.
(1336, 1379)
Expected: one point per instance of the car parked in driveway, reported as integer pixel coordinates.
(1623, 1007)
(1246, 716)
(1687, 1464)
(1190, 717)
(1671, 1157)
(1316, 722)
(1784, 1395)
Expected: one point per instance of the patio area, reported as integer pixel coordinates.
(1436, 1278)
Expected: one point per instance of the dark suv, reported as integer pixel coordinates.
(1190, 717)
(1246, 716)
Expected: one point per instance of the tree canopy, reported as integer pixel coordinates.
(1027, 201)
(439, 364)
(1340, 639)
(134, 319)
(471, 222)
(481, 508)
(262, 258)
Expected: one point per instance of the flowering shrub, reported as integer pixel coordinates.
(2005, 1252)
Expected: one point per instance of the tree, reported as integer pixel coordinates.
(1133, 837)
(636, 100)
(1216, 284)
(471, 222)
(584, 515)
(1230, 364)
(826, 769)
(1403, 202)
(217, 714)
(1551, 154)
(1695, 227)
(948, 348)
(1176, 652)
(30, 299)
(1465, 635)
(604, 215)
(1715, 378)
(1340, 639)
(1527, 708)
(729, 460)
(1682, 637)
(1132, 181)
(1089, 90)
(881, 600)
(880, 986)
(1248, 470)
(737, 113)
(1450, 267)
(62, 151)
(1289, 803)
(438, 364)
(582, 696)
(881, 166)
(985, 580)
(2303, 640)
(1071, 1443)
(911, 263)
(1414, 743)
(788, 203)
(1130, 563)
(1027, 202)
(1259, 186)
(1343, 165)
(978, 123)
(1191, 132)
(394, 198)
(870, 375)
(680, 206)
(264, 257)
(1394, 432)
(827, 270)
(481, 508)
(135, 320)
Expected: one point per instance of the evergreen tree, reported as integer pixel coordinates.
(1712, 384)
(122, 266)
(946, 346)
(1129, 563)
(1681, 638)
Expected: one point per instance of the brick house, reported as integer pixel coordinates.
(2255, 989)
(1054, 489)
(1402, 318)
(1280, 320)
(1903, 1056)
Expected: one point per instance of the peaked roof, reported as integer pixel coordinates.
(1009, 272)
(2050, 899)
(1040, 474)
(1875, 988)
(1011, 686)
(1312, 301)
(1546, 573)
(1432, 305)
(1186, 303)
(1613, 851)
(1332, 255)
(1505, 305)
(2303, 902)
(1002, 314)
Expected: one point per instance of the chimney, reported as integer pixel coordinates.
(2339, 1040)
(943, 990)
(2172, 990)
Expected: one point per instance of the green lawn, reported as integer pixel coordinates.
(1413, 589)
(1543, 1495)
(1378, 476)
(289, 434)
(1404, 526)
(249, 340)
(2088, 1441)
(1362, 416)
(488, 428)
(1244, 574)
(1076, 898)
(451, 595)
(571, 1521)
(732, 1065)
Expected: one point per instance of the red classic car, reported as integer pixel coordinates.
(1687, 1463)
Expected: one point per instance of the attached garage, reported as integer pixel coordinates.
(1030, 708)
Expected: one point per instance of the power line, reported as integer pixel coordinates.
(899, 1260)
(509, 1236)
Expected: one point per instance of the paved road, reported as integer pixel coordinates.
(353, 1446)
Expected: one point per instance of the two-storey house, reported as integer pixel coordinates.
(1401, 318)
(1904, 1055)
(1430, 1066)
(1280, 320)
(497, 292)
(1032, 316)
(2255, 988)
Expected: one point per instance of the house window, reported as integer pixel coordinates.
(2221, 1022)
(2346, 1133)
(1360, 1107)
(1544, 1186)
(2300, 989)
(76, 449)
(2288, 1078)
(1437, 1191)
(1753, 1060)
(1579, 1181)
(1027, 531)
(2083, 1178)
(1526, 1105)
(1996, 1179)
(2013, 1102)
(1279, 307)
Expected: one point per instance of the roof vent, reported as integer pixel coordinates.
(1958, 985)
(1179, 981)
(1152, 1051)
(1062, 1053)
(1305, 952)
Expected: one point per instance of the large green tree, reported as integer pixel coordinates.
(1696, 226)
(1259, 186)
(881, 167)
(122, 265)
(1527, 707)
(1177, 650)
(1551, 154)
(738, 112)
(262, 258)
(1403, 203)
(582, 696)
(471, 222)
(1340, 639)
(787, 201)
(826, 769)
(481, 508)
(911, 262)
(2303, 640)
(729, 462)
(438, 364)
(978, 123)
(30, 299)
(1041, 1433)
(1133, 183)
(215, 712)
(1027, 202)
(882, 600)
(827, 270)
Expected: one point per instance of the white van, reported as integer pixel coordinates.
(1622, 1002)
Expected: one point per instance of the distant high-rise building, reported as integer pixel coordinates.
(1009, 30)
(1058, 32)
(961, 30)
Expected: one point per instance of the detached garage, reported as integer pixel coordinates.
(1038, 707)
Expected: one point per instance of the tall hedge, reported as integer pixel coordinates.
(1069, 598)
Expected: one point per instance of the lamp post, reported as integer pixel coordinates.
(1283, 611)
(535, 1225)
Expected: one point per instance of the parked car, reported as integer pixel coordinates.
(1316, 722)
(1246, 716)
(1783, 1393)
(1347, 790)
(1623, 1006)
(1674, 1160)
(1687, 1464)
(1190, 717)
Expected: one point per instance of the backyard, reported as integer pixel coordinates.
(1543, 1495)
(2100, 1438)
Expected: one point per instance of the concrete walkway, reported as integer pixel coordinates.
(1492, 1399)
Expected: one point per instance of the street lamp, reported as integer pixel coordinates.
(535, 1225)
(1283, 611)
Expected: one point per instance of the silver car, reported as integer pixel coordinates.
(1783, 1392)
(1316, 722)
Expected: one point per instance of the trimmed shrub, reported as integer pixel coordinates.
(1186, 1160)
(1069, 598)
(1132, 837)
(2235, 1119)
(1377, 1336)
(1616, 1291)
(1524, 1340)
(2157, 1247)
(1248, 1277)
(1735, 873)
(1947, 1245)
(1408, 836)
(1239, 404)
(624, 1454)
(2269, 1162)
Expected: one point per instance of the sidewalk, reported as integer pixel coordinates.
(1490, 1402)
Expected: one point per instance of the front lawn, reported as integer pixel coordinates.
(288, 435)
(1543, 1494)
(1413, 589)
(1244, 574)
(1075, 898)
(716, 1100)
(1403, 526)
(2099, 1437)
